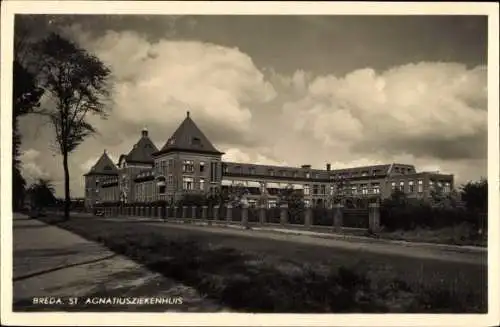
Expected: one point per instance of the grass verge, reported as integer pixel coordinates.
(258, 282)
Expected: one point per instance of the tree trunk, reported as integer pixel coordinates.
(67, 199)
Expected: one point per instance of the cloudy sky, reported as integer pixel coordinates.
(348, 90)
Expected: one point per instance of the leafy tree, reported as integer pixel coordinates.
(294, 199)
(41, 193)
(475, 195)
(76, 81)
(26, 99)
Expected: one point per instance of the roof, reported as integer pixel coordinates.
(188, 137)
(103, 166)
(234, 168)
(142, 151)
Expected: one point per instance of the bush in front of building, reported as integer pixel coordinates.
(401, 213)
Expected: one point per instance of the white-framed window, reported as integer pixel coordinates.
(187, 183)
(376, 188)
(364, 189)
(447, 187)
(354, 190)
(308, 175)
(411, 187)
(420, 186)
(202, 184)
(307, 189)
(431, 185)
(187, 166)
(202, 166)
(393, 186)
(402, 186)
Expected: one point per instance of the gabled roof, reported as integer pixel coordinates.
(188, 137)
(103, 166)
(142, 150)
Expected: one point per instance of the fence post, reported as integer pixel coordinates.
(338, 215)
(184, 212)
(229, 214)
(193, 212)
(204, 210)
(244, 215)
(374, 217)
(283, 214)
(308, 216)
(262, 214)
(216, 211)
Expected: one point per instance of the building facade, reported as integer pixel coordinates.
(189, 163)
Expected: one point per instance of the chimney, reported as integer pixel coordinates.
(328, 167)
(187, 114)
(144, 132)
(306, 166)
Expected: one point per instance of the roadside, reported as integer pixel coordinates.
(417, 249)
(53, 262)
(235, 267)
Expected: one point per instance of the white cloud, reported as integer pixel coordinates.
(30, 168)
(237, 155)
(158, 82)
(432, 100)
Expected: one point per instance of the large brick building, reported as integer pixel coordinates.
(189, 163)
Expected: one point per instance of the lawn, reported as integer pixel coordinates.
(274, 276)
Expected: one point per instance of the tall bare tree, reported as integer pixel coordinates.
(77, 83)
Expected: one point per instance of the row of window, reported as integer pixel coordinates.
(445, 187)
(188, 166)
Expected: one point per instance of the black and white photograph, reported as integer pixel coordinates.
(290, 161)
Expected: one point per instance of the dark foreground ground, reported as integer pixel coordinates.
(252, 272)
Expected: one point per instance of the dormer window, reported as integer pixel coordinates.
(107, 168)
(196, 141)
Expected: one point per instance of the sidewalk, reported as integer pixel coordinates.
(51, 262)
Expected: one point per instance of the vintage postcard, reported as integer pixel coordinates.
(247, 163)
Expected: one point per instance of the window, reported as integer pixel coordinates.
(162, 189)
(323, 189)
(196, 141)
(308, 175)
(376, 188)
(283, 173)
(225, 169)
(420, 187)
(187, 166)
(364, 188)
(393, 186)
(187, 183)
(364, 173)
(402, 186)
(271, 172)
(251, 171)
(307, 190)
(307, 202)
(411, 187)
(107, 167)
(315, 189)
(294, 174)
(202, 184)
(354, 190)
(213, 171)
(447, 187)
(202, 167)
(431, 185)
